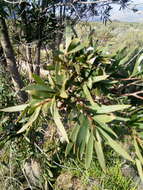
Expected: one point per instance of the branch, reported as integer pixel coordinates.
(13, 1)
(135, 94)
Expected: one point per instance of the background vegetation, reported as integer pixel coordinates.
(73, 117)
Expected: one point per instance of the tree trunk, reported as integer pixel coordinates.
(10, 59)
(29, 61)
(37, 58)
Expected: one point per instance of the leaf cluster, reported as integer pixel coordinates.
(76, 98)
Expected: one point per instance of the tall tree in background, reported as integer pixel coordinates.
(44, 21)
(10, 59)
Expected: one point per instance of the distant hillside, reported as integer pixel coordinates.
(114, 36)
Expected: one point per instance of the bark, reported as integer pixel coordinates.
(37, 58)
(29, 61)
(39, 44)
(27, 33)
(11, 62)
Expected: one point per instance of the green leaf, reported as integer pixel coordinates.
(15, 108)
(89, 151)
(74, 133)
(50, 67)
(83, 130)
(87, 136)
(105, 118)
(57, 120)
(89, 83)
(38, 79)
(82, 149)
(139, 125)
(140, 134)
(40, 94)
(31, 120)
(138, 153)
(76, 49)
(51, 81)
(92, 60)
(105, 127)
(49, 173)
(99, 78)
(139, 168)
(73, 44)
(99, 152)
(109, 109)
(68, 148)
(68, 34)
(115, 145)
(122, 119)
(37, 87)
(33, 102)
(46, 107)
(63, 93)
(137, 64)
(22, 114)
(89, 97)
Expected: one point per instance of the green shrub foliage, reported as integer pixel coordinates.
(89, 98)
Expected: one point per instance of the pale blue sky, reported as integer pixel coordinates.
(127, 14)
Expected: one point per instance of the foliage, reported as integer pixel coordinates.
(93, 100)
(113, 37)
(94, 178)
(5, 89)
(79, 97)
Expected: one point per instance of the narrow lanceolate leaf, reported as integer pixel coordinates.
(15, 108)
(82, 149)
(109, 109)
(105, 118)
(57, 120)
(46, 107)
(39, 87)
(87, 136)
(89, 97)
(68, 34)
(137, 65)
(68, 148)
(22, 114)
(38, 79)
(99, 78)
(99, 152)
(104, 126)
(53, 102)
(122, 118)
(73, 138)
(73, 44)
(76, 49)
(139, 168)
(63, 92)
(31, 120)
(115, 145)
(89, 151)
(74, 133)
(138, 153)
(84, 126)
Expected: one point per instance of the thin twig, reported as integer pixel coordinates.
(135, 94)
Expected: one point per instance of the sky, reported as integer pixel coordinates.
(126, 15)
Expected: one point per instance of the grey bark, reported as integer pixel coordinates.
(29, 61)
(37, 58)
(10, 59)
